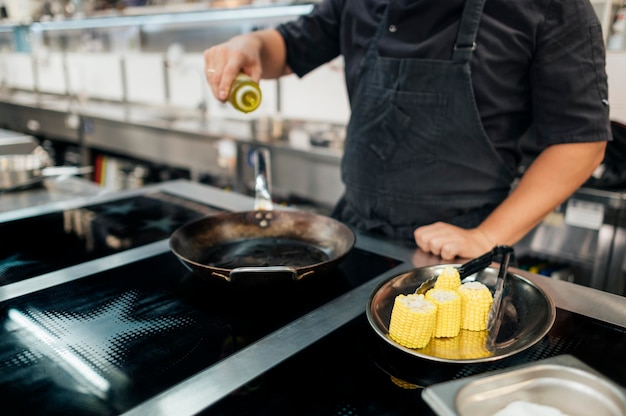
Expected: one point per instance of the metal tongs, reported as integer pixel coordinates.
(494, 320)
(505, 252)
(473, 266)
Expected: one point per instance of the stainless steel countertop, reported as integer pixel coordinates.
(209, 386)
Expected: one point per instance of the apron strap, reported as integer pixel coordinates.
(468, 28)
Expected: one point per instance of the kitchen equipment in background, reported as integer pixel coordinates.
(582, 241)
(81, 234)
(13, 143)
(116, 173)
(47, 173)
(527, 314)
(25, 163)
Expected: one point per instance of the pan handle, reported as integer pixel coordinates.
(249, 275)
(262, 195)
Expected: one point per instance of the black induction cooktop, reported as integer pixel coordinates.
(102, 344)
(352, 372)
(36, 245)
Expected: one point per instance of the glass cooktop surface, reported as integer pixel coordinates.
(36, 245)
(104, 343)
(352, 372)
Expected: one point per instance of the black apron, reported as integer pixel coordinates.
(415, 150)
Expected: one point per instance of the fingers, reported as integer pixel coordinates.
(432, 238)
(219, 72)
(223, 62)
(448, 241)
(448, 251)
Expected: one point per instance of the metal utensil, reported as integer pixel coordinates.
(262, 194)
(506, 253)
(466, 269)
(47, 172)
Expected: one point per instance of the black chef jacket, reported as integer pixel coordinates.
(538, 62)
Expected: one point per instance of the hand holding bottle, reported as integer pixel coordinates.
(235, 67)
(256, 54)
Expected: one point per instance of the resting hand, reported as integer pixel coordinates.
(449, 241)
(223, 62)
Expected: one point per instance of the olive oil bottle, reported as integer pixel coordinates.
(245, 94)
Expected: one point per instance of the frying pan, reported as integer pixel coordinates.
(264, 245)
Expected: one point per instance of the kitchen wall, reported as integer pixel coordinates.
(616, 71)
(159, 64)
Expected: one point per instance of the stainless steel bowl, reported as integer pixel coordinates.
(527, 313)
(572, 391)
(562, 382)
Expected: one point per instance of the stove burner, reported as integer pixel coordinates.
(258, 252)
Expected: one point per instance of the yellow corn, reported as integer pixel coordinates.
(412, 320)
(404, 384)
(447, 348)
(448, 279)
(473, 344)
(476, 301)
(448, 321)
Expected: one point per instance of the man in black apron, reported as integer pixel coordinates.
(419, 162)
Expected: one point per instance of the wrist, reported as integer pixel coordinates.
(488, 239)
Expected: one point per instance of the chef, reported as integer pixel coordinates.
(445, 97)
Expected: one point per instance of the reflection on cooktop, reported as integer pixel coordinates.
(353, 372)
(50, 242)
(104, 343)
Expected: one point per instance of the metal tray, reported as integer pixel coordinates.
(562, 382)
(527, 313)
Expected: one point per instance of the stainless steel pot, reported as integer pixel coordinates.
(17, 169)
(21, 170)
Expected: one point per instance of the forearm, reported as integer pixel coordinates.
(556, 174)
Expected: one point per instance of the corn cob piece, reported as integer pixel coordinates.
(448, 279)
(473, 344)
(448, 321)
(412, 320)
(476, 300)
(447, 348)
